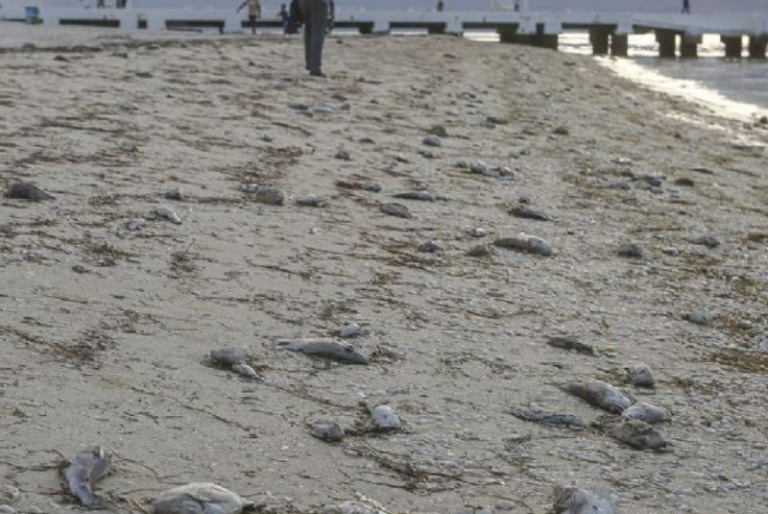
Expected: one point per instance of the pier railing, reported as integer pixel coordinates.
(676, 34)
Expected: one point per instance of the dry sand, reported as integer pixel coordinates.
(105, 332)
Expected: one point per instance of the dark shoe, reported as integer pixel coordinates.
(317, 74)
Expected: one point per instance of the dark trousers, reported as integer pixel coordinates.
(315, 14)
(252, 19)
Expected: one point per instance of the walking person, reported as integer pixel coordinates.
(254, 12)
(284, 17)
(315, 16)
(686, 6)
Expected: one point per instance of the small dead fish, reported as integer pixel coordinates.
(368, 185)
(325, 348)
(395, 209)
(200, 498)
(542, 417)
(310, 201)
(599, 394)
(264, 194)
(527, 244)
(571, 344)
(328, 431)
(418, 195)
(241, 368)
(646, 412)
(528, 213)
(570, 500)
(229, 356)
(83, 470)
(165, 212)
(27, 191)
(638, 434)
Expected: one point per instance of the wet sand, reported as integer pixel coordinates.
(105, 331)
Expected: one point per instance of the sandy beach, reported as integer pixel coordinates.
(106, 331)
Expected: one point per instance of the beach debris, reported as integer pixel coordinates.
(418, 194)
(631, 251)
(481, 168)
(641, 376)
(328, 431)
(135, 224)
(653, 180)
(128, 147)
(562, 131)
(646, 412)
(310, 201)
(527, 213)
(200, 498)
(27, 191)
(362, 505)
(384, 419)
(685, 182)
(494, 120)
(241, 368)
(175, 193)
(570, 500)
(438, 130)
(166, 212)
(571, 344)
(478, 232)
(527, 244)
(432, 140)
(298, 106)
(265, 194)
(637, 434)
(699, 317)
(332, 349)
(395, 209)
(373, 187)
(342, 155)
(230, 356)
(536, 414)
(322, 109)
(7, 509)
(480, 251)
(430, 247)
(709, 241)
(83, 469)
(128, 106)
(599, 394)
(350, 330)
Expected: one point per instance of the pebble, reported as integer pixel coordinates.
(438, 130)
(199, 498)
(128, 147)
(165, 212)
(135, 224)
(322, 109)
(528, 213)
(432, 140)
(631, 251)
(128, 106)
(653, 180)
(230, 356)
(478, 232)
(241, 368)
(708, 241)
(384, 418)
(599, 394)
(481, 251)
(527, 244)
(638, 434)
(342, 155)
(493, 120)
(671, 251)
(175, 193)
(265, 194)
(505, 505)
(646, 412)
(395, 209)
(6, 509)
(641, 376)
(310, 201)
(479, 168)
(350, 331)
(699, 317)
(27, 191)
(328, 431)
(9, 493)
(570, 500)
(430, 247)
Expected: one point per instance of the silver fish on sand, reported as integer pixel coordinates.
(570, 500)
(83, 469)
(326, 348)
(165, 212)
(328, 431)
(200, 498)
(599, 394)
(241, 368)
(638, 434)
(646, 412)
(526, 244)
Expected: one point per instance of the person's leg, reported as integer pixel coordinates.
(304, 7)
(319, 21)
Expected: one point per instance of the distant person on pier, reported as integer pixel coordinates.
(331, 15)
(314, 13)
(254, 12)
(284, 17)
(100, 4)
(440, 6)
(294, 18)
(686, 6)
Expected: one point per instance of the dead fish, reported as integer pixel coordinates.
(535, 414)
(200, 498)
(571, 344)
(527, 244)
(310, 201)
(229, 356)
(570, 500)
(325, 348)
(27, 191)
(646, 412)
(395, 209)
(418, 195)
(165, 212)
(638, 434)
(328, 431)
(599, 394)
(83, 470)
(368, 185)
(241, 368)
(528, 213)
(264, 194)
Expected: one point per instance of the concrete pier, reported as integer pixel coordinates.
(620, 45)
(689, 45)
(600, 39)
(758, 45)
(667, 41)
(734, 46)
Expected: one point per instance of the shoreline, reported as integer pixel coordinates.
(106, 330)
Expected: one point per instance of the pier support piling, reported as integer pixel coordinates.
(733, 46)
(758, 46)
(667, 43)
(507, 34)
(599, 37)
(689, 45)
(620, 45)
